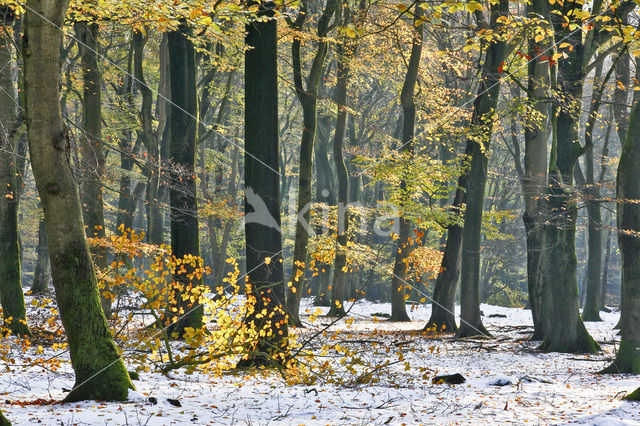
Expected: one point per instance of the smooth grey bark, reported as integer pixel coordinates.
(100, 372)
(536, 162)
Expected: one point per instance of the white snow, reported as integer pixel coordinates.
(508, 381)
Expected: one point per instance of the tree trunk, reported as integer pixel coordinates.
(444, 294)
(628, 213)
(308, 100)
(605, 274)
(11, 295)
(150, 138)
(41, 272)
(127, 152)
(340, 266)
(564, 330)
(91, 149)
(535, 171)
(261, 174)
(483, 116)
(407, 101)
(591, 192)
(185, 240)
(100, 372)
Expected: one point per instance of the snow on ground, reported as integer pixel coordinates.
(508, 381)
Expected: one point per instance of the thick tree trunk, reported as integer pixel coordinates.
(407, 101)
(261, 173)
(483, 111)
(564, 330)
(11, 295)
(100, 373)
(41, 273)
(628, 213)
(308, 100)
(185, 240)
(535, 171)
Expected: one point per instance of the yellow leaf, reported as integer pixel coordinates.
(472, 6)
(195, 13)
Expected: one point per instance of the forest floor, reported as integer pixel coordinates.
(507, 381)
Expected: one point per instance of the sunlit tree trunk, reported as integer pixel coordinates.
(100, 372)
(407, 101)
(338, 286)
(308, 99)
(536, 164)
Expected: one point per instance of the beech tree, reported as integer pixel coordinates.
(482, 122)
(398, 290)
(100, 372)
(185, 237)
(307, 96)
(628, 220)
(13, 308)
(261, 175)
(91, 147)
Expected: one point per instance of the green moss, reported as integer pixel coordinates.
(3, 420)
(627, 360)
(633, 396)
(112, 383)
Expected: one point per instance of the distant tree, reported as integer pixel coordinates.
(308, 97)
(41, 273)
(91, 146)
(13, 308)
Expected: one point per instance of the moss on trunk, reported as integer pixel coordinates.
(99, 370)
(11, 294)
